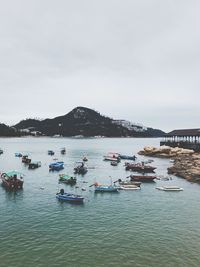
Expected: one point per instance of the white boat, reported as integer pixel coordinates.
(170, 188)
(130, 187)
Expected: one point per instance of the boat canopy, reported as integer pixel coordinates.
(12, 173)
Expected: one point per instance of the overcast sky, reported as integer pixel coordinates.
(129, 59)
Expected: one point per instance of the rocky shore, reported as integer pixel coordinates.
(186, 162)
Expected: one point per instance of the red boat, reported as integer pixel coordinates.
(12, 180)
(142, 178)
(140, 167)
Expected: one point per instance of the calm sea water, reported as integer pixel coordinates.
(131, 228)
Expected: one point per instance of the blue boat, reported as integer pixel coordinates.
(105, 188)
(56, 166)
(19, 155)
(127, 157)
(69, 197)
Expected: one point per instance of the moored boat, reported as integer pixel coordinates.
(26, 159)
(69, 197)
(51, 152)
(18, 154)
(114, 163)
(12, 180)
(129, 182)
(170, 188)
(130, 187)
(67, 179)
(34, 165)
(140, 167)
(80, 168)
(127, 157)
(63, 151)
(105, 188)
(85, 158)
(56, 166)
(112, 157)
(142, 178)
(1, 151)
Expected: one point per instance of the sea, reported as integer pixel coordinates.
(139, 228)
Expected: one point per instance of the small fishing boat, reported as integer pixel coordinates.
(12, 180)
(63, 151)
(56, 166)
(69, 197)
(130, 187)
(171, 188)
(80, 168)
(142, 178)
(26, 159)
(34, 165)
(85, 158)
(67, 179)
(112, 157)
(105, 188)
(114, 163)
(1, 151)
(128, 182)
(127, 157)
(51, 152)
(139, 167)
(19, 155)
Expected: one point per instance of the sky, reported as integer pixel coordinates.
(137, 60)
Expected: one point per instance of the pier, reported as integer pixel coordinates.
(186, 138)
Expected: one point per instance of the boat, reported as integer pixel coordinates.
(139, 167)
(26, 159)
(170, 188)
(63, 151)
(142, 178)
(12, 180)
(51, 152)
(105, 188)
(69, 197)
(112, 157)
(67, 179)
(34, 165)
(1, 151)
(114, 163)
(129, 182)
(80, 168)
(56, 166)
(130, 187)
(19, 155)
(85, 158)
(127, 157)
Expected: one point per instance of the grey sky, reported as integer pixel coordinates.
(130, 59)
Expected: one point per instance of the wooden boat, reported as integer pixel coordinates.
(12, 180)
(25, 159)
(140, 167)
(34, 165)
(171, 188)
(142, 178)
(80, 169)
(56, 166)
(112, 157)
(63, 151)
(127, 157)
(130, 187)
(69, 197)
(64, 178)
(51, 152)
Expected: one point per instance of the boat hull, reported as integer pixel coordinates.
(70, 198)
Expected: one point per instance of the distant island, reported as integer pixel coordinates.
(81, 121)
